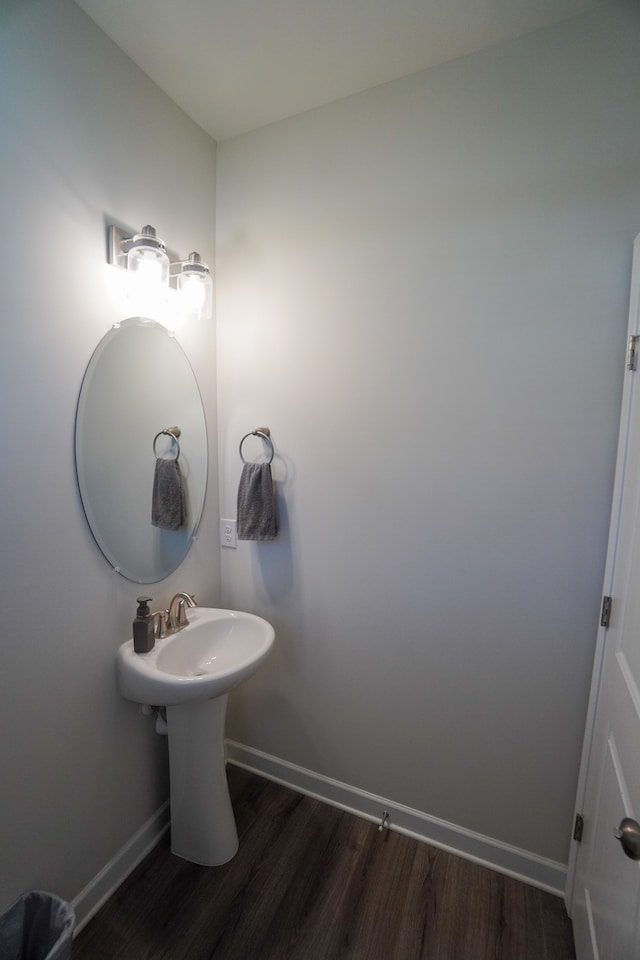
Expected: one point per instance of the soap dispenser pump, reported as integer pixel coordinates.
(143, 638)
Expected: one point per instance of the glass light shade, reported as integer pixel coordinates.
(148, 268)
(195, 287)
(148, 257)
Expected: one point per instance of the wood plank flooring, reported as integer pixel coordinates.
(313, 883)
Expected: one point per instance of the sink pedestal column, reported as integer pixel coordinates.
(203, 828)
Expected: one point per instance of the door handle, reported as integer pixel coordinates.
(628, 833)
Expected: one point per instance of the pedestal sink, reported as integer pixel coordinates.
(191, 673)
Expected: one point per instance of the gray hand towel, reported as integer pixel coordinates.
(168, 504)
(256, 518)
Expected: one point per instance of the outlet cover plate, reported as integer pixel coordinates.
(228, 536)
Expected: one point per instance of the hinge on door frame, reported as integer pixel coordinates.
(605, 616)
(578, 828)
(632, 351)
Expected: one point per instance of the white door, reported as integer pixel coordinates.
(605, 898)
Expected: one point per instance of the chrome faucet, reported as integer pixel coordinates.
(177, 612)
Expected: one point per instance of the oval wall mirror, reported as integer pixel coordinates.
(138, 383)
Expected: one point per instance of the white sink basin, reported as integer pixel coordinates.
(206, 659)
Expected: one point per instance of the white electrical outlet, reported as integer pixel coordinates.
(228, 533)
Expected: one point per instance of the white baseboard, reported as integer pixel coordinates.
(98, 890)
(539, 872)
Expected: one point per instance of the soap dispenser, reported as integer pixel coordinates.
(143, 638)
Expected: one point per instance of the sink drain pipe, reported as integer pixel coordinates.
(161, 717)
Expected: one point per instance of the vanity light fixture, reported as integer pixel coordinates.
(155, 269)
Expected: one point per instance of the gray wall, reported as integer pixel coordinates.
(423, 291)
(84, 135)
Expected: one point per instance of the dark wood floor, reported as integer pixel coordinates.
(313, 883)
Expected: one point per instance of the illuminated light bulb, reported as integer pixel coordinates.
(195, 287)
(148, 270)
(148, 267)
(194, 293)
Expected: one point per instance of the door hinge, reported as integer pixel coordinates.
(605, 616)
(578, 828)
(632, 352)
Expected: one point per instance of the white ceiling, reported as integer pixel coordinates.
(235, 65)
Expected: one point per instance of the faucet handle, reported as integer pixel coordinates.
(160, 629)
(182, 614)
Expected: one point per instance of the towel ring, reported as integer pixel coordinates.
(263, 432)
(174, 433)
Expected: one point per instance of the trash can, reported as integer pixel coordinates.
(39, 926)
